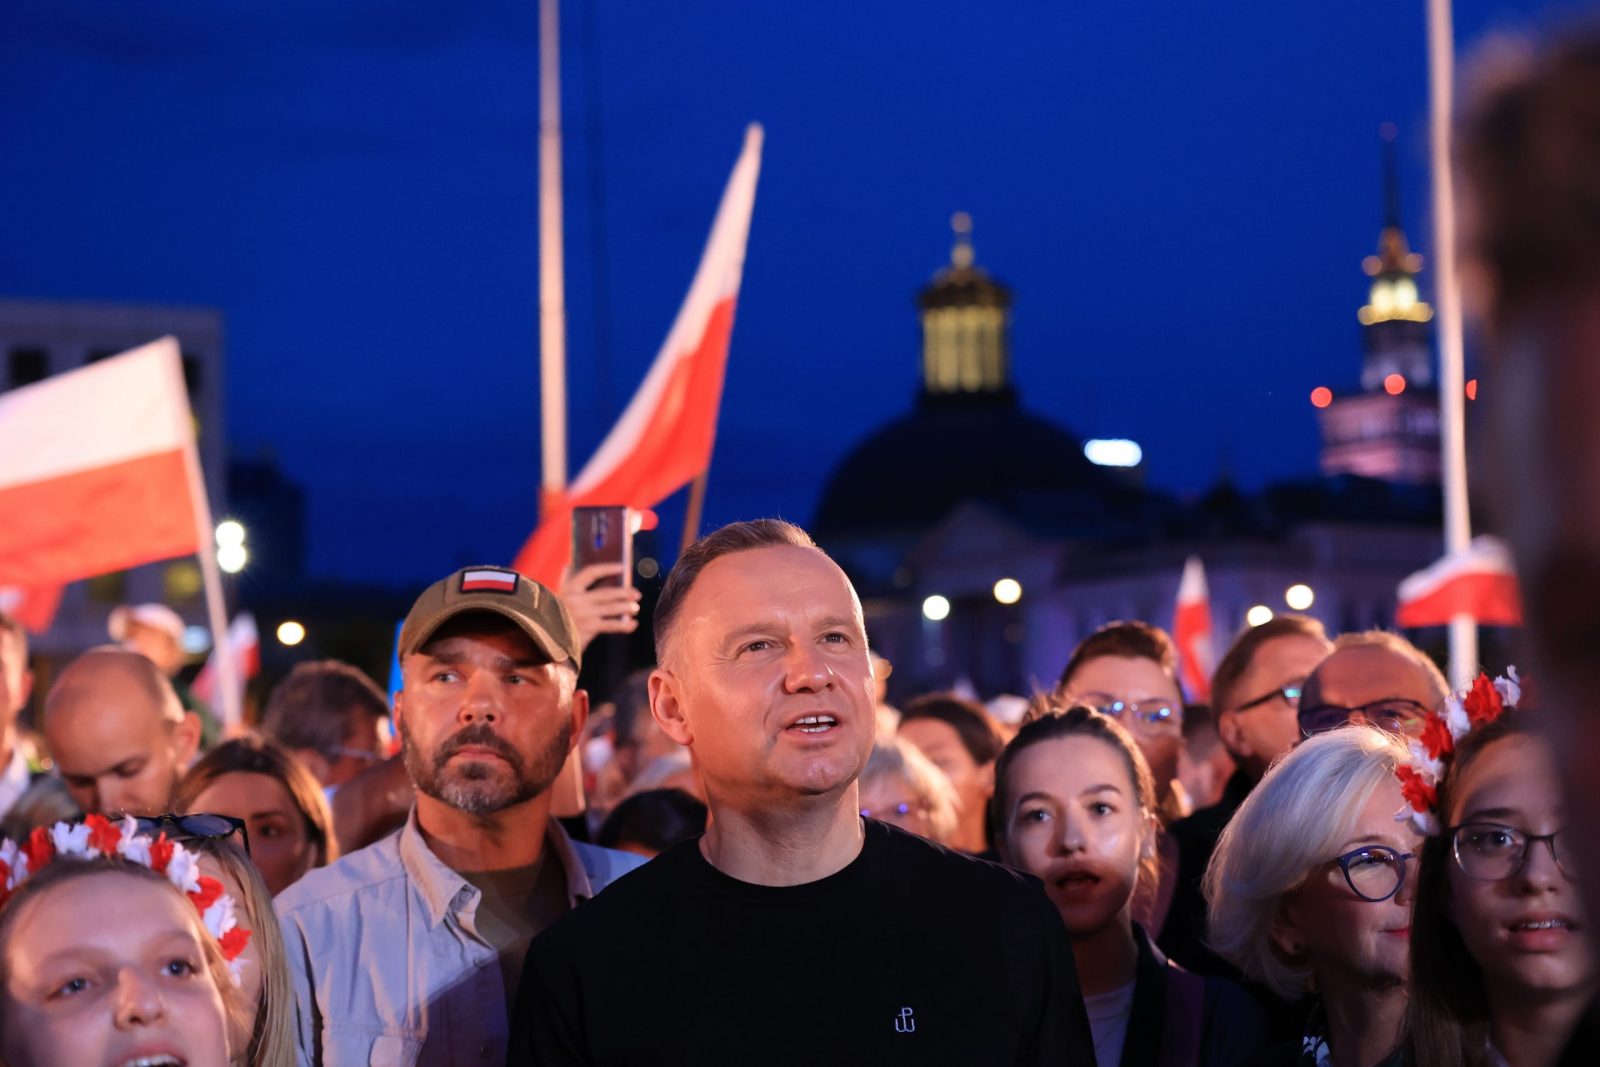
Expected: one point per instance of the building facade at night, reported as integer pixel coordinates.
(933, 510)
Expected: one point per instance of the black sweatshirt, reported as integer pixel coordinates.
(911, 954)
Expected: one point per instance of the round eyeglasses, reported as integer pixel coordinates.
(1396, 715)
(1491, 851)
(1289, 693)
(1374, 872)
(1151, 716)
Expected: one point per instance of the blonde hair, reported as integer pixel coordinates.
(930, 785)
(1292, 823)
(272, 1036)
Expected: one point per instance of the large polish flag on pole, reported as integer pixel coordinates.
(1191, 631)
(1480, 582)
(664, 438)
(94, 470)
(99, 472)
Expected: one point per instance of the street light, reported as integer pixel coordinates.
(231, 553)
(1258, 615)
(1299, 596)
(290, 633)
(1008, 590)
(936, 608)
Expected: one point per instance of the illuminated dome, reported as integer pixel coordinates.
(968, 440)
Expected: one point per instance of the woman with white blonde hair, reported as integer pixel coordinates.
(1310, 891)
(902, 786)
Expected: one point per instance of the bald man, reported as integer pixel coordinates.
(118, 733)
(1374, 677)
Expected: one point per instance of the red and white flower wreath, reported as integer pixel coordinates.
(96, 837)
(1432, 750)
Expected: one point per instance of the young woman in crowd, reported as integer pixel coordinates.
(104, 959)
(1503, 966)
(283, 807)
(1310, 890)
(1075, 805)
(962, 740)
(264, 1024)
(902, 786)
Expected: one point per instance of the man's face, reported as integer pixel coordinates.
(116, 753)
(1395, 689)
(486, 721)
(16, 681)
(1260, 734)
(1106, 680)
(767, 680)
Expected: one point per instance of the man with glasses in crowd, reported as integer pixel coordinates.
(1374, 677)
(1256, 693)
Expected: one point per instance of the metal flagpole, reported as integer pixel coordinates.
(552, 287)
(1452, 377)
(567, 792)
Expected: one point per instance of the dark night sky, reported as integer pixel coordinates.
(1180, 195)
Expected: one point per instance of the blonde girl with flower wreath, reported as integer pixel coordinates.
(114, 951)
(1503, 967)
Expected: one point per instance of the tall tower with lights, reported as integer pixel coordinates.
(1390, 429)
(966, 328)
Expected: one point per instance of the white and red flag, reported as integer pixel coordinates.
(1191, 631)
(97, 470)
(1480, 582)
(663, 439)
(244, 645)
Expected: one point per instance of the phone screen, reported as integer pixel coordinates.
(603, 535)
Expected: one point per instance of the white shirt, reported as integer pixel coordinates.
(14, 782)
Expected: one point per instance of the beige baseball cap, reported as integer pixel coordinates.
(537, 611)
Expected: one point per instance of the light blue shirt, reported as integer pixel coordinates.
(389, 969)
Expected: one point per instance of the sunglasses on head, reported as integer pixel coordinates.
(199, 826)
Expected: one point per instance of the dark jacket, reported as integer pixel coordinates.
(1181, 1019)
(1310, 1049)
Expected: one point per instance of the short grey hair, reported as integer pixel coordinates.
(930, 785)
(1292, 823)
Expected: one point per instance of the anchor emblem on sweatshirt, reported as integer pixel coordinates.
(904, 1023)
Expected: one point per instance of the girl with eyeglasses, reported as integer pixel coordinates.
(1310, 892)
(1504, 964)
(1075, 806)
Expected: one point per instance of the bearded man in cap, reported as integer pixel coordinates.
(410, 950)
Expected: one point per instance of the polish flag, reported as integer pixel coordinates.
(33, 606)
(98, 470)
(1191, 631)
(244, 645)
(1480, 582)
(663, 439)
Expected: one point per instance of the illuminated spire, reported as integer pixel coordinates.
(1393, 270)
(961, 251)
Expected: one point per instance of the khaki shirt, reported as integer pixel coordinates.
(388, 966)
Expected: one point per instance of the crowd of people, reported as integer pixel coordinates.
(1338, 861)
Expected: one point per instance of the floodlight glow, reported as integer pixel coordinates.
(291, 633)
(1113, 452)
(936, 608)
(1299, 597)
(230, 532)
(1258, 615)
(232, 558)
(1008, 590)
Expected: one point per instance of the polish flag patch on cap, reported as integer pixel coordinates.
(489, 580)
